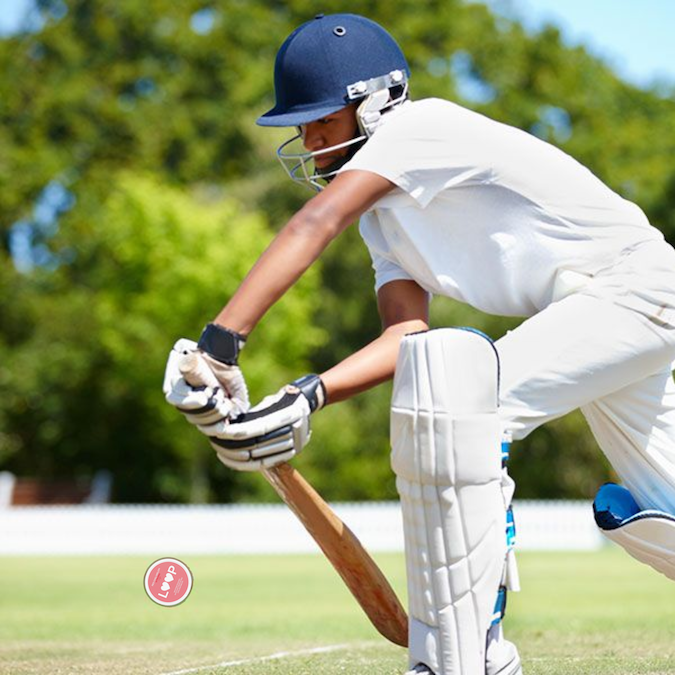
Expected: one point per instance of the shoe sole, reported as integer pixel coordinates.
(513, 668)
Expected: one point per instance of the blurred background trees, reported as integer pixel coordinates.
(136, 191)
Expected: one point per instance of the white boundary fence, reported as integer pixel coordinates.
(245, 529)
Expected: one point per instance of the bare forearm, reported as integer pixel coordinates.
(370, 366)
(293, 250)
(299, 244)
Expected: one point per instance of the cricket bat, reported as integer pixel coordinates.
(339, 544)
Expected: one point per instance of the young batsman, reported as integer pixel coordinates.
(453, 203)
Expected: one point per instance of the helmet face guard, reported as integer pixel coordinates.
(298, 163)
(322, 67)
(296, 160)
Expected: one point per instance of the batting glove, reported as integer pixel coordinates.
(227, 398)
(272, 432)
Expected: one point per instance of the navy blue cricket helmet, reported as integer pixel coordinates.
(323, 65)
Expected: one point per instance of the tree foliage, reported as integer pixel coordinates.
(136, 191)
(81, 389)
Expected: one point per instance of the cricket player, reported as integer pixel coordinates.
(450, 202)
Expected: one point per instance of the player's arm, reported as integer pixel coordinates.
(299, 244)
(292, 251)
(278, 427)
(404, 308)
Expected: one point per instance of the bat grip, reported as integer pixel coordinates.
(195, 370)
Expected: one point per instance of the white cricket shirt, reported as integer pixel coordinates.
(486, 213)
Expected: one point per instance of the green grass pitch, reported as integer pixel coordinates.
(592, 613)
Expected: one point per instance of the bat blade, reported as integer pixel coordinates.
(339, 544)
(345, 552)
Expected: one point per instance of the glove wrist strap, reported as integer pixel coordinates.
(313, 390)
(221, 343)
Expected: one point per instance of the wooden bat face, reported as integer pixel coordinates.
(340, 545)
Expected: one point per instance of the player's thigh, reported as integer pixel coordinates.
(575, 351)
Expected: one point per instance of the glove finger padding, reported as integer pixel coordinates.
(232, 380)
(204, 405)
(252, 464)
(272, 432)
(172, 372)
(274, 412)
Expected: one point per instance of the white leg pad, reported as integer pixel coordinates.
(647, 535)
(446, 453)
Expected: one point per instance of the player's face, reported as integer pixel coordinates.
(334, 129)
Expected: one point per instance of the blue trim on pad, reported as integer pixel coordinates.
(510, 529)
(500, 606)
(506, 451)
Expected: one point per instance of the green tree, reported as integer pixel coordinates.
(82, 390)
(132, 126)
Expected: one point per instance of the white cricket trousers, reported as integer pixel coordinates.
(607, 348)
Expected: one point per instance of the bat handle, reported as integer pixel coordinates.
(195, 370)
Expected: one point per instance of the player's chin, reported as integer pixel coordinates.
(322, 163)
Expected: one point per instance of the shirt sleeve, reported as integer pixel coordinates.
(386, 271)
(422, 150)
(386, 268)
